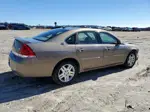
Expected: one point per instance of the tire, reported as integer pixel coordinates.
(65, 73)
(131, 60)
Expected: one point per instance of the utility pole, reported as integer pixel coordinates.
(55, 23)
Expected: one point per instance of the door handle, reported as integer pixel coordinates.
(108, 48)
(80, 49)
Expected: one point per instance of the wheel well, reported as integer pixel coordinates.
(68, 59)
(135, 51)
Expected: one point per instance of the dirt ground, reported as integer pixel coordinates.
(106, 90)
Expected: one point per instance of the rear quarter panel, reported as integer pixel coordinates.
(49, 54)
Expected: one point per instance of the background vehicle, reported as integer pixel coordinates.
(107, 28)
(127, 29)
(63, 53)
(18, 27)
(136, 29)
(3, 27)
(117, 29)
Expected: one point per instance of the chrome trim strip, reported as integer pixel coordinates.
(91, 58)
(22, 56)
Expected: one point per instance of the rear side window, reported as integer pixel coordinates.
(71, 39)
(87, 37)
(17, 45)
(50, 34)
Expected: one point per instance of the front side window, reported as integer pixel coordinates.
(50, 34)
(107, 38)
(87, 37)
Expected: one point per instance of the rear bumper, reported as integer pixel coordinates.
(29, 67)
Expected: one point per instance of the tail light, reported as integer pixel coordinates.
(26, 50)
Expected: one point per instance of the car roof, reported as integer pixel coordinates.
(72, 31)
(76, 29)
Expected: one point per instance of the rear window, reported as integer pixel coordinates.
(17, 45)
(50, 34)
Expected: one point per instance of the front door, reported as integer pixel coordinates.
(113, 53)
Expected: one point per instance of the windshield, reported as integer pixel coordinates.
(50, 34)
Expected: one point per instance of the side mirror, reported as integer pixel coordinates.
(118, 42)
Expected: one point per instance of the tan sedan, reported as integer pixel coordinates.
(63, 53)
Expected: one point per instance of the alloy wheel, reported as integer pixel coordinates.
(66, 73)
(131, 59)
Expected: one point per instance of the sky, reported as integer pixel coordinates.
(135, 13)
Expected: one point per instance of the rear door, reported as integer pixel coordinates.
(88, 50)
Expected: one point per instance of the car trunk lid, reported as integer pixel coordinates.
(21, 46)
